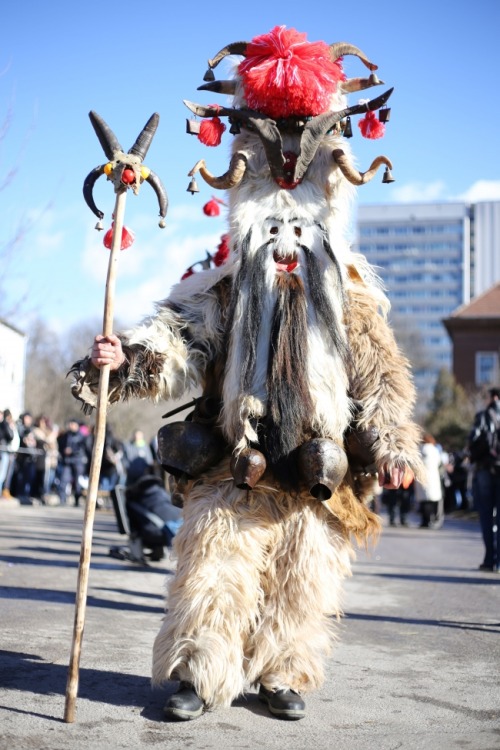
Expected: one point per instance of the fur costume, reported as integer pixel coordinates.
(289, 339)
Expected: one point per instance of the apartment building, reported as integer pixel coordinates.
(432, 258)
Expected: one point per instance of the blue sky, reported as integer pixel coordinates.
(59, 60)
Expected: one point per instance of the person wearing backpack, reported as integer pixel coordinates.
(484, 452)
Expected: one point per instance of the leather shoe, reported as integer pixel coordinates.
(184, 705)
(489, 568)
(285, 703)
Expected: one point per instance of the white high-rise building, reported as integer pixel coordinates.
(432, 258)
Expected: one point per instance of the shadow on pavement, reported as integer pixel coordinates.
(68, 597)
(480, 626)
(31, 674)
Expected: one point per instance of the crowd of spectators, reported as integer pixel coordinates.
(448, 488)
(40, 460)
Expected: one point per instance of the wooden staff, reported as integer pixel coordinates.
(95, 470)
(117, 170)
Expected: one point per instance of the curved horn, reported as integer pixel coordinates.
(359, 84)
(371, 104)
(351, 174)
(107, 138)
(160, 191)
(229, 179)
(88, 187)
(220, 87)
(143, 142)
(316, 128)
(264, 126)
(203, 110)
(235, 48)
(269, 134)
(314, 131)
(210, 111)
(339, 49)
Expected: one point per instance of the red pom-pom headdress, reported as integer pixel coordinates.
(285, 75)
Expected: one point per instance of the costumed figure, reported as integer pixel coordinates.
(306, 399)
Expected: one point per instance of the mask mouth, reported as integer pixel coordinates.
(286, 262)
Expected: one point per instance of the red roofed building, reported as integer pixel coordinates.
(474, 330)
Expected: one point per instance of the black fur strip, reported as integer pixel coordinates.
(287, 423)
(253, 316)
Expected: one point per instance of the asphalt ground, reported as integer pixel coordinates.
(417, 664)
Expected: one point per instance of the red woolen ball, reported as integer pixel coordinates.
(211, 208)
(128, 176)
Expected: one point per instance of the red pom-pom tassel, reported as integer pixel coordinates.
(371, 127)
(128, 238)
(222, 253)
(211, 131)
(212, 207)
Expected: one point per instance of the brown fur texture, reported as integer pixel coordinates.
(381, 382)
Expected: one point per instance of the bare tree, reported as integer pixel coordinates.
(451, 412)
(410, 342)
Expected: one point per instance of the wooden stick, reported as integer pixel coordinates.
(95, 468)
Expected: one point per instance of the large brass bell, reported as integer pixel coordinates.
(347, 128)
(193, 187)
(360, 446)
(247, 468)
(322, 466)
(387, 176)
(187, 449)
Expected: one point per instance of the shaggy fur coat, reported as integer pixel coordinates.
(290, 338)
(257, 588)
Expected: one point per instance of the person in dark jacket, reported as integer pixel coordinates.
(72, 462)
(6, 438)
(486, 483)
(25, 463)
(146, 492)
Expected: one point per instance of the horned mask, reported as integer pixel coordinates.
(287, 85)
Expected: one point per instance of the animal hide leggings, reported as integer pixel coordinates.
(255, 594)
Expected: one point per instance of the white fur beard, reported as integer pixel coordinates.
(326, 371)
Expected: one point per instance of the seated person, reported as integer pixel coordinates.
(146, 491)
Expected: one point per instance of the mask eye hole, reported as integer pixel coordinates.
(274, 230)
(297, 231)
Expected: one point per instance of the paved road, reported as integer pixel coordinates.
(417, 664)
